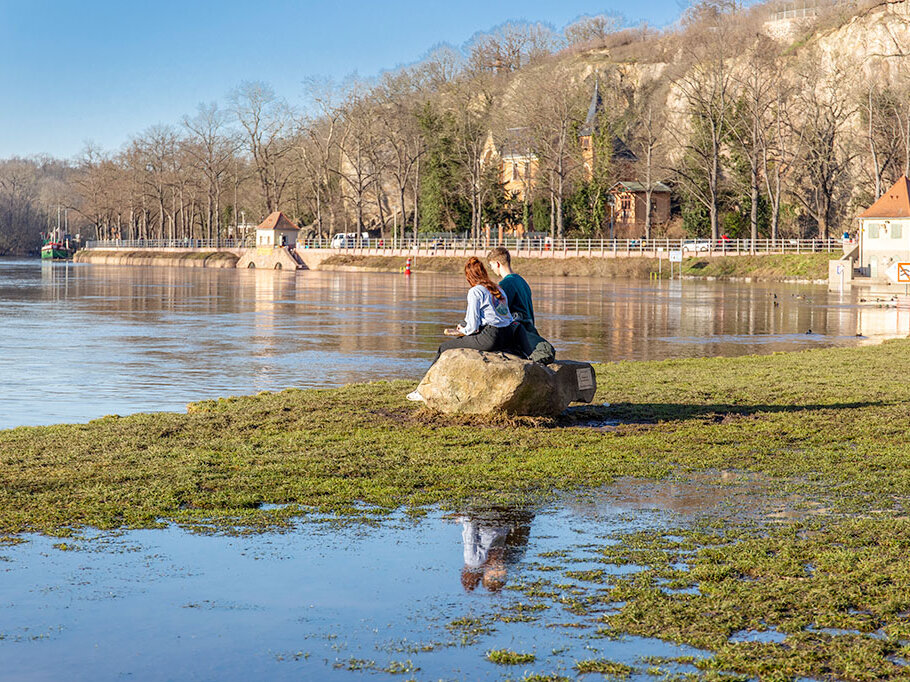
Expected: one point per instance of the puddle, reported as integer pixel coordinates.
(769, 636)
(835, 632)
(425, 597)
(266, 506)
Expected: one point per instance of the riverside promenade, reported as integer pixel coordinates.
(313, 252)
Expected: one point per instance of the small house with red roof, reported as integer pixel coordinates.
(884, 234)
(275, 231)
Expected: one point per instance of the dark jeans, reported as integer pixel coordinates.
(489, 338)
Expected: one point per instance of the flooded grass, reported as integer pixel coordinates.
(789, 477)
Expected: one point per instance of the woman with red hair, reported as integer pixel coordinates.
(487, 324)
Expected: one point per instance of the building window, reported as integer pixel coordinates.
(625, 204)
(897, 230)
(515, 171)
(874, 230)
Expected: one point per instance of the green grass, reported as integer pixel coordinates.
(506, 657)
(833, 416)
(813, 266)
(828, 427)
(605, 667)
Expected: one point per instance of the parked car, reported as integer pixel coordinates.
(349, 240)
(696, 245)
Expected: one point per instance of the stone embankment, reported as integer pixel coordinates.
(185, 259)
(807, 267)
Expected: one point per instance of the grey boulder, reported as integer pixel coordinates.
(467, 381)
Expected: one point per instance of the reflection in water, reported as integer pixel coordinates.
(312, 601)
(81, 341)
(493, 540)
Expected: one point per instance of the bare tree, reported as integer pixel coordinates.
(755, 82)
(398, 101)
(267, 122)
(212, 147)
(473, 103)
(824, 112)
(510, 47)
(591, 31)
(706, 92)
(552, 107)
(780, 142)
(356, 140)
(649, 141)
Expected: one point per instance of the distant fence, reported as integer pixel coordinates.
(518, 246)
(165, 244)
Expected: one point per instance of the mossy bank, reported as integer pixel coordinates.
(825, 428)
(835, 416)
(774, 267)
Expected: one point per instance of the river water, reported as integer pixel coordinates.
(81, 341)
(391, 596)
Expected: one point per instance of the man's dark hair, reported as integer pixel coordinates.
(501, 255)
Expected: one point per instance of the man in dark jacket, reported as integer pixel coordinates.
(521, 305)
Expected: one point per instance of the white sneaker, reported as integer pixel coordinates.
(414, 396)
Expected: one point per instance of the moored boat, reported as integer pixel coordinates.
(56, 250)
(58, 242)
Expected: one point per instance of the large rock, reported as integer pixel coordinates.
(476, 382)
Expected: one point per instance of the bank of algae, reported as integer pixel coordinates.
(777, 267)
(828, 425)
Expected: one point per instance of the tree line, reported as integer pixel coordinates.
(757, 138)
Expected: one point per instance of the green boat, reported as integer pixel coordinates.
(58, 242)
(58, 250)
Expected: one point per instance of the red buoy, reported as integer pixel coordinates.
(407, 267)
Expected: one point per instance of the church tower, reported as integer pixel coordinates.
(590, 129)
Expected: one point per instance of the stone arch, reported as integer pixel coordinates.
(251, 265)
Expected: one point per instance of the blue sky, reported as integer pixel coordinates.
(102, 70)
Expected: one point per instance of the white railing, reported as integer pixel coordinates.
(164, 244)
(518, 246)
(587, 247)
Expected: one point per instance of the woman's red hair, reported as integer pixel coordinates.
(476, 273)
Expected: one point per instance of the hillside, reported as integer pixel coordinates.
(762, 127)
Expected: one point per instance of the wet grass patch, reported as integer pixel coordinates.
(507, 657)
(812, 448)
(329, 450)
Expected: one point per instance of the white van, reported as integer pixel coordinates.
(349, 240)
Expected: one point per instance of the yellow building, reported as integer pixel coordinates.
(519, 163)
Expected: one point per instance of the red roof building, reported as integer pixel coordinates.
(276, 230)
(884, 236)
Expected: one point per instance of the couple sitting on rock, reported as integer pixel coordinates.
(498, 318)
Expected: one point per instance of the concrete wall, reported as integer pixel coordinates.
(270, 259)
(183, 258)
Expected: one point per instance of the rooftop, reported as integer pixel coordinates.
(895, 203)
(277, 221)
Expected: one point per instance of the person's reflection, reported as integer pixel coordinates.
(494, 539)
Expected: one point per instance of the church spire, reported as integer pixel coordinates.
(591, 123)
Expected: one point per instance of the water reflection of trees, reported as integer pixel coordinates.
(607, 320)
(494, 540)
(388, 315)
